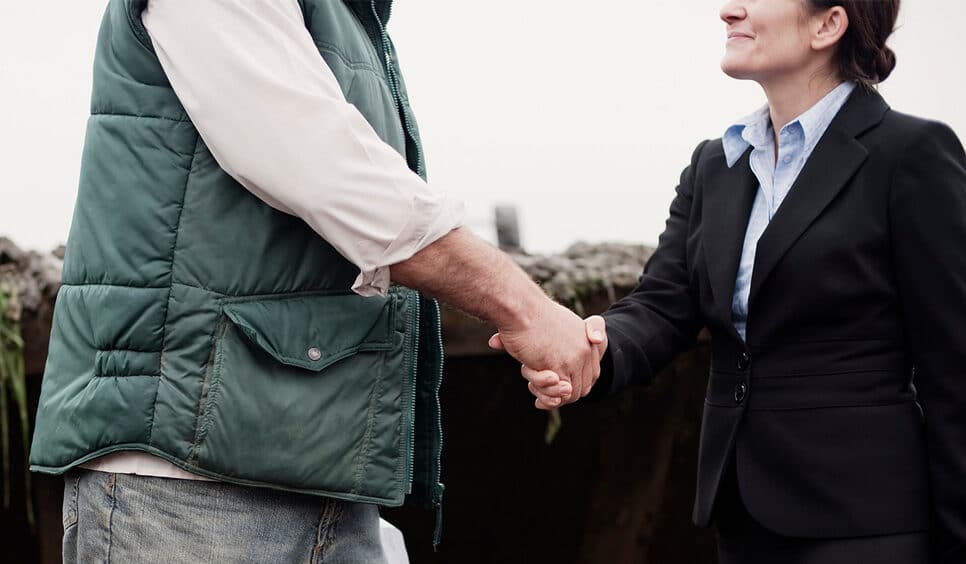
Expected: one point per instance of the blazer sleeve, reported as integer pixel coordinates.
(928, 216)
(648, 327)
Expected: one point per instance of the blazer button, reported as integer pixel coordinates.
(740, 391)
(744, 361)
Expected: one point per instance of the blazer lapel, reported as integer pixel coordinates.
(728, 196)
(834, 161)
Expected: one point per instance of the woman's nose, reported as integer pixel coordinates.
(732, 11)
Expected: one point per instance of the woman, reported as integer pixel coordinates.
(822, 241)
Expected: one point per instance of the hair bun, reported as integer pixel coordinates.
(884, 63)
(862, 52)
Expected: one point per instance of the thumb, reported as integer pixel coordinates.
(596, 330)
(496, 342)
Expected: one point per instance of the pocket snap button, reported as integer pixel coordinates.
(315, 354)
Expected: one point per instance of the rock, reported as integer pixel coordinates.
(585, 277)
(9, 252)
(35, 278)
(586, 268)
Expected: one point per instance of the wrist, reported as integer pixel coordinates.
(521, 310)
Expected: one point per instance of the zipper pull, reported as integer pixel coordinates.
(438, 506)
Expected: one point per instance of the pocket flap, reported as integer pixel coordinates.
(312, 332)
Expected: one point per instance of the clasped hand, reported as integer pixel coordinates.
(560, 354)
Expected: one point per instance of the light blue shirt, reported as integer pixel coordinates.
(796, 141)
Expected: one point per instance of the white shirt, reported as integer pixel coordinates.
(274, 117)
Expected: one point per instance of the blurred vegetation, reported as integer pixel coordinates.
(13, 385)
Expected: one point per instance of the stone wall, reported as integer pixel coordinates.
(614, 484)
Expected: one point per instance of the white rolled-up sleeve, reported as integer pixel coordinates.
(274, 117)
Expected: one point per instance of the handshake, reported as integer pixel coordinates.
(560, 353)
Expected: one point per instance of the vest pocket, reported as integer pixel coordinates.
(314, 332)
(305, 392)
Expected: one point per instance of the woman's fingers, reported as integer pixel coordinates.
(543, 401)
(540, 378)
(546, 383)
(540, 404)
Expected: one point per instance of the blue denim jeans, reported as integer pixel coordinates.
(126, 518)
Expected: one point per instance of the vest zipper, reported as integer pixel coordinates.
(437, 486)
(393, 80)
(411, 452)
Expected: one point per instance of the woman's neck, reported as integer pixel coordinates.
(789, 98)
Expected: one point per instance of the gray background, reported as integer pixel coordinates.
(561, 107)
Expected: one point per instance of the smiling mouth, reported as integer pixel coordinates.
(736, 36)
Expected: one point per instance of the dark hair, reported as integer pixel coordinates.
(862, 52)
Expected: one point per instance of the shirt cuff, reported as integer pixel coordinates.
(373, 282)
(432, 218)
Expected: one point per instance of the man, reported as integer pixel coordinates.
(232, 376)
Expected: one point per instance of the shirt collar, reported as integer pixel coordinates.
(816, 119)
(755, 130)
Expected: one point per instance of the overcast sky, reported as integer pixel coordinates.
(581, 113)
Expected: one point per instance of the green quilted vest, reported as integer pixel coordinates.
(198, 324)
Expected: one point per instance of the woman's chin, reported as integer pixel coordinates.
(736, 70)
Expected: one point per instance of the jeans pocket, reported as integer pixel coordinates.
(332, 514)
(71, 485)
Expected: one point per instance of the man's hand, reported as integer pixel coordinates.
(477, 278)
(568, 353)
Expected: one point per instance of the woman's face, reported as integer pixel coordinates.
(767, 39)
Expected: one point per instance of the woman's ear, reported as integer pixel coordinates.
(828, 26)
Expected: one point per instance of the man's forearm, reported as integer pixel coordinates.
(474, 276)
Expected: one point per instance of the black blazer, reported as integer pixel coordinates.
(846, 409)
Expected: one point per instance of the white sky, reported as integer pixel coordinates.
(580, 115)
